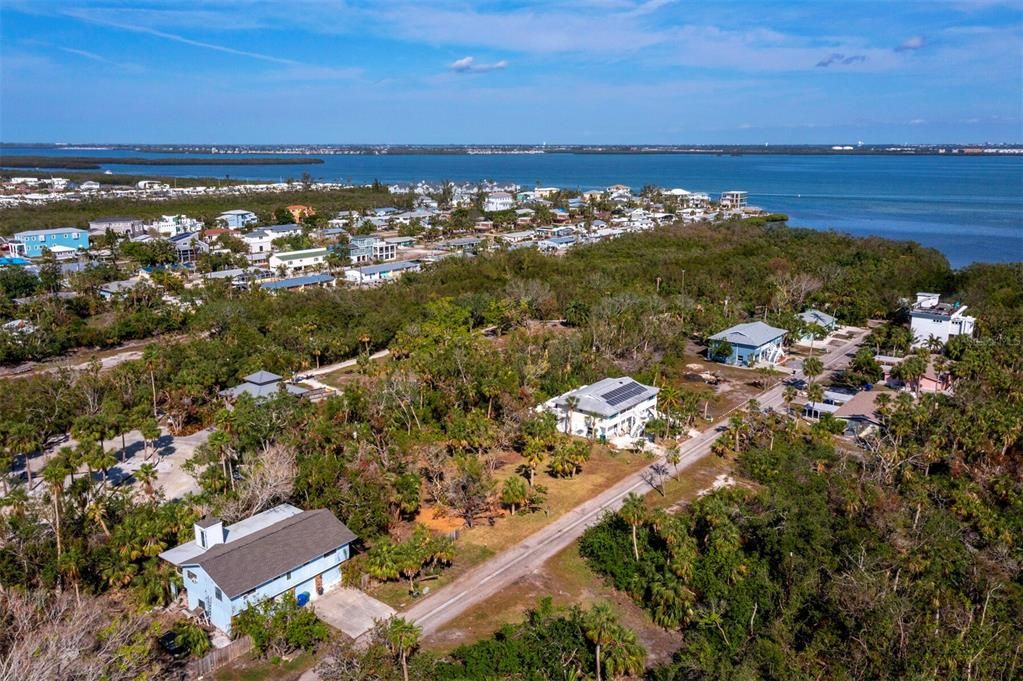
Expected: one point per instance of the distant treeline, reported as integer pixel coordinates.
(95, 162)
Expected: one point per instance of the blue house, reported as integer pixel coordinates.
(815, 317)
(284, 549)
(35, 240)
(237, 219)
(750, 343)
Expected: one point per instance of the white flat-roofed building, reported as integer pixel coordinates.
(613, 407)
(932, 319)
(734, 199)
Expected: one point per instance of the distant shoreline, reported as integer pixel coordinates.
(96, 162)
(306, 153)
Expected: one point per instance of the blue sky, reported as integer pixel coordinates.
(528, 71)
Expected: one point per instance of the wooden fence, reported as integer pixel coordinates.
(218, 658)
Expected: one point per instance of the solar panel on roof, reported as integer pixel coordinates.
(622, 393)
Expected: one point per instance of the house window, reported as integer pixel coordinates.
(216, 592)
(289, 575)
(202, 538)
(75, 236)
(191, 576)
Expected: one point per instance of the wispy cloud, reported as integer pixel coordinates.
(911, 44)
(99, 59)
(469, 65)
(135, 28)
(837, 58)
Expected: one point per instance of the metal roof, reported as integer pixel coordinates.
(608, 397)
(814, 316)
(750, 334)
(296, 282)
(388, 267)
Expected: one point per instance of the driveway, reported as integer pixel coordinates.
(350, 610)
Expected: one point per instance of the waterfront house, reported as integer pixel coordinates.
(613, 407)
(932, 319)
(748, 344)
(735, 200)
(299, 283)
(56, 240)
(260, 385)
(817, 318)
(237, 219)
(297, 261)
(225, 569)
(498, 201)
(372, 274)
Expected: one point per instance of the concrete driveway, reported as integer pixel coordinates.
(350, 610)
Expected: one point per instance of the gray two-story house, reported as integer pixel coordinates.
(225, 569)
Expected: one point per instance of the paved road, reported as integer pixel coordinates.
(530, 554)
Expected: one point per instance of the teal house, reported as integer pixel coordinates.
(225, 569)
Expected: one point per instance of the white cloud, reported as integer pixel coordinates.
(911, 44)
(469, 65)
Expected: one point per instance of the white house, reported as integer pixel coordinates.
(260, 241)
(224, 570)
(931, 318)
(296, 261)
(498, 201)
(613, 407)
(733, 199)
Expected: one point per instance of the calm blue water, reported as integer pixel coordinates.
(970, 208)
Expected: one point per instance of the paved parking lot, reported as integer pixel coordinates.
(350, 610)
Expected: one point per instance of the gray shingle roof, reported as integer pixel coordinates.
(750, 334)
(239, 566)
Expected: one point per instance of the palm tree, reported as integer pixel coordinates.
(514, 493)
(150, 431)
(815, 392)
(812, 368)
(534, 453)
(146, 475)
(571, 402)
(402, 638)
(787, 396)
(96, 511)
(23, 439)
(669, 401)
(674, 456)
(601, 627)
(633, 512)
(625, 655)
(70, 565)
(54, 473)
